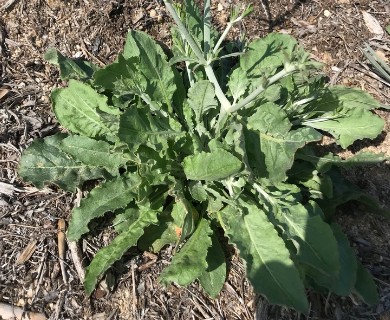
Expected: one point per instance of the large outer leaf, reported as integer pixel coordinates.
(325, 163)
(94, 152)
(355, 124)
(343, 283)
(44, 162)
(341, 97)
(316, 243)
(190, 262)
(139, 126)
(110, 195)
(365, 286)
(215, 165)
(348, 264)
(269, 267)
(201, 97)
(213, 279)
(114, 251)
(271, 148)
(82, 110)
(153, 64)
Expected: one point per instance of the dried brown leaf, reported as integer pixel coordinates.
(372, 24)
(26, 253)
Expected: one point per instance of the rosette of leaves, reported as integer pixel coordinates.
(218, 140)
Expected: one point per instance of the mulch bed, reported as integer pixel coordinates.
(31, 276)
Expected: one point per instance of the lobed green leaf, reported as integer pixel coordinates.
(106, 256)
(353, 125)
(110, 195)
(190, 262)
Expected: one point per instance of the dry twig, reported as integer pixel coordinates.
(8, 312)
(61, 247)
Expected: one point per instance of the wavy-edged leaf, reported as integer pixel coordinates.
(215, 165)
(353, 125)
(153, 64)
(139, 127)
(310, 233)
(201, 98)
(110, 195)
(190, 262)
(213, 279)
(95, 152)
(365, 286)
(82, 110)
(265, 55)
(337, 97)
(70, 68)
(268, 264)
(271, 148)
(106, 256)
(44, 162)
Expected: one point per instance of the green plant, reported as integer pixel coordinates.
(220, 139)
(379, 65)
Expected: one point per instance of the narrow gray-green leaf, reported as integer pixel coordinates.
(82, 110)
(213, 279)
(201, 97)
(190, 262)
(110, 195)
(106, 256)
(354, 125)
(215, 165)
(268, 264)
(44, 162)
(94, 152)
(70, 68)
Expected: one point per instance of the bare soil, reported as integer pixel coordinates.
(30, 270)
